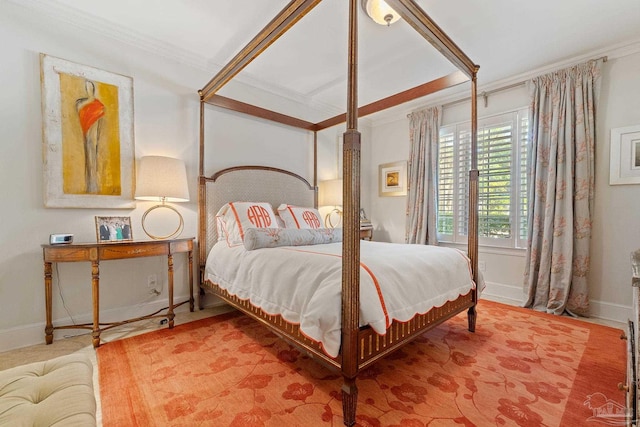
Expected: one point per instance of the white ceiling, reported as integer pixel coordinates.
(505, 37)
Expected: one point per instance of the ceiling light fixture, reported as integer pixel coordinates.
(380, 12)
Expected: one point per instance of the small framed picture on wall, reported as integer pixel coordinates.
(392, 180)
(625, 156)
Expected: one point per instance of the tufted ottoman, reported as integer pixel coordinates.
(56, 392)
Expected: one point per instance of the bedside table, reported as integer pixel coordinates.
(366, 233)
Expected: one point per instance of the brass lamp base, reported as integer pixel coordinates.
(327, 219)
(168, 236)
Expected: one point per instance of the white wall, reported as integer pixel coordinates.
(616, 232)
(166, 123)
(616, 229)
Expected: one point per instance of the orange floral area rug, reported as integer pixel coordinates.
(520, 368)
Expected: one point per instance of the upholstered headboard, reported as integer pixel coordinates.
(247, 184)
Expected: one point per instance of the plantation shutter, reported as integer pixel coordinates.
(524, 172)
(462, 175)
(446, 181)
(502, 198)
(495, 164)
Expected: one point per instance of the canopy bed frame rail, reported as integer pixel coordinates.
(426, 27)
(371, 346)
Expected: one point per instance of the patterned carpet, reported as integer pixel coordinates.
(520, 368)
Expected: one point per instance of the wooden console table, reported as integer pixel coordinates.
(96, 252)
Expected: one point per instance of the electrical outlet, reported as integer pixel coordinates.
(152, 281)
(482, 266)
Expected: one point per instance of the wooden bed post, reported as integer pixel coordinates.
(351, 237)
(202, 200)
(354, 340)
(473, 199)
(315, 167)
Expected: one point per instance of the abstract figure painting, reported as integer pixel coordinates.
(88, 136)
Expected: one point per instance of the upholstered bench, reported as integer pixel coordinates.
(56, 392)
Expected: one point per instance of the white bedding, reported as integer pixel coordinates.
(303, 283)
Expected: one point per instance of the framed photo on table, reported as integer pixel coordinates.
(392, 179)
(113, 229)
(625, 156)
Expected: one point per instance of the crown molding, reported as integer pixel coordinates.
(616, 51)
(87, 22)
(54, 9)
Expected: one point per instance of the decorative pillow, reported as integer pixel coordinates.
(235, 218)
(257, 238)
(299, 217)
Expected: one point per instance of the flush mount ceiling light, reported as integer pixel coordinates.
(380, 12)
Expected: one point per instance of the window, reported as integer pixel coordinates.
(502, 160)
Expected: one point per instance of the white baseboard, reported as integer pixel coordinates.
(23, 336)
(512, 295)
(508, 294)
(610, 311)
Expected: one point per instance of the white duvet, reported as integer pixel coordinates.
(303, 283)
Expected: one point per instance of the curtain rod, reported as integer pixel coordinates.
(485, 94)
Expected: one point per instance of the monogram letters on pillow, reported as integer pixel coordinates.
(300, 217)
(234, 218)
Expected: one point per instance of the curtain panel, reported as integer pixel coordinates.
(561, 176)
(424, 128)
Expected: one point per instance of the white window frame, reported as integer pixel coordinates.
(517, 209)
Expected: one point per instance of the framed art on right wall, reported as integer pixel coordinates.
(625, 155)
(392, 179)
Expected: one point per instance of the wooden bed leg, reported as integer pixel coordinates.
(471, 315)
(349, 401)
(200, 298)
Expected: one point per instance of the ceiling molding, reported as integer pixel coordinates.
(56, 10)
(616, 51)
(91, 23)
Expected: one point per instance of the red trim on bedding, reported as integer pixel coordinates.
(293, 215)
(382, 303)
(368, 270)
(235, 213)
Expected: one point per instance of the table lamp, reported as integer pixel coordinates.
(162, 179)
(330, 194)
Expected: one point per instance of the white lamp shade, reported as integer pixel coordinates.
(380, 12)
(330, 193)
(162, 178)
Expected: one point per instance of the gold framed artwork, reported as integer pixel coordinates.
(113, 229)
(392, 179)
(625, 156)
(88, 147)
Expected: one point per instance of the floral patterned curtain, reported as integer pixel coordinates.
(424, 127)
(561, 171)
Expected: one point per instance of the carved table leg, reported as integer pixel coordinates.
(95, 289)
(170, 314)
(191, 307)
(48, 330)
(349, 401)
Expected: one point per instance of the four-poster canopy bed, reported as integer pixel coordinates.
(359, 346)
